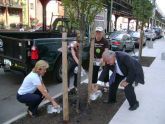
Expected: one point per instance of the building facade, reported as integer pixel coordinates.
(53, 8)
(24, 11)
(10, 12)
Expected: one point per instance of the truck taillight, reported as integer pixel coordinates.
(34, 53)
(116, 43)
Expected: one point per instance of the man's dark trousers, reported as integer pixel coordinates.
(129, 91)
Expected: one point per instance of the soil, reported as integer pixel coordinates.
(96, 113)
(147, 61)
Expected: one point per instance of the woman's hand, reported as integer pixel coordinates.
(54, 103)
(45, 93)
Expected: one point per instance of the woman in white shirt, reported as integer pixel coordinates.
(33, 90)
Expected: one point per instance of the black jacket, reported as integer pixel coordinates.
(129, 66)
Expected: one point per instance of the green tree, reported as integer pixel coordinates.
(142, 10)
(75, 10)
(82, 14)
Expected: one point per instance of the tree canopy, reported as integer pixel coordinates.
(74, 9)
(142, 10)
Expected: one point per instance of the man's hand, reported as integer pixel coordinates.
(102, 63)
(123, 83)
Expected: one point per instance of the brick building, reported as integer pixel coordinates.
(10, 12)
(20, 11)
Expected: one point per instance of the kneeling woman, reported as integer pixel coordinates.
(33, 90)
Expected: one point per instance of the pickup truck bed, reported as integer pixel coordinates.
(20, 50)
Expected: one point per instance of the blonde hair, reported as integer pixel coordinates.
(40, 64)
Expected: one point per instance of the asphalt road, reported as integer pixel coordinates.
(9, 83)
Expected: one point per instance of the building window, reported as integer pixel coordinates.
(1, 12)
(14, 12)
(31, 6)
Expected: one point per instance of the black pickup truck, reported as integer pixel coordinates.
(20, 50)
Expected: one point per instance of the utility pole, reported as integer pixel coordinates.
(111, 15)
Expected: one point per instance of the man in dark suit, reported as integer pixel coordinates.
(126, 70)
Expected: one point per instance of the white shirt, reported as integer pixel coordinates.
(30, 83)
(118, 71)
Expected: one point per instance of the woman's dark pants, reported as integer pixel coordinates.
(32, 100)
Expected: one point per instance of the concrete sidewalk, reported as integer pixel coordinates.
(151, 96)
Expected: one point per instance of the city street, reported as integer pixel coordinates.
(47, 34)
(10, 82)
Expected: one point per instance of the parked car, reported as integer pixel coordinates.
(159, 32)
(110, 35)
(122, 42)
(136, 38)
(150, 34)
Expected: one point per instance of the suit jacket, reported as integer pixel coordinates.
(129, 66)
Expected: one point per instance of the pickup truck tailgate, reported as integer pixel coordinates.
(13, 48)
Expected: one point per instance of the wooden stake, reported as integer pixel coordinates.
(65, 78)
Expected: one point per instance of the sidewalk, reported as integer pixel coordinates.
(151, 95)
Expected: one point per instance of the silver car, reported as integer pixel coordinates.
(150, 34)
(122, 42)
(136, 38)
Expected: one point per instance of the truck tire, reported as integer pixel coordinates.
(6, 68)
(57, 72)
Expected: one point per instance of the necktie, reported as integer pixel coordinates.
(113, 76)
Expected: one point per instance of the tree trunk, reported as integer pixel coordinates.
(141, 42)
(82, 35)
(79, 77)
(65, 79)
(90, 74)
(137, 24)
